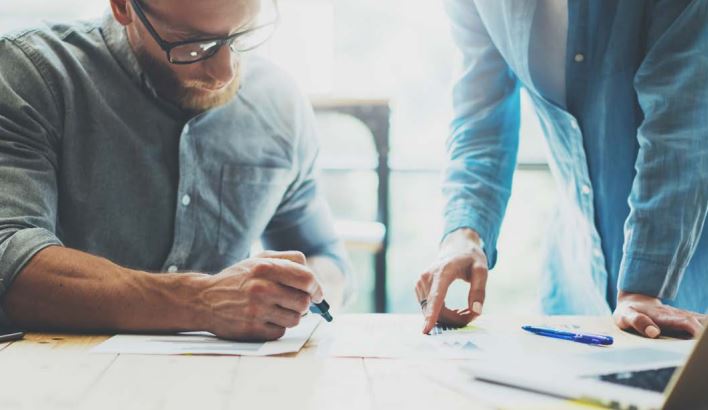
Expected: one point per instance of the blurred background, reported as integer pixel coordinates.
(380, 73)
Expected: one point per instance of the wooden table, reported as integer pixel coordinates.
(56, 371)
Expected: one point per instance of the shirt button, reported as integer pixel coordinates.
(597, 252)
(585, 190)
(579, 58)
(172, 268)
(185, 130)
(573, 124)
(186, 200)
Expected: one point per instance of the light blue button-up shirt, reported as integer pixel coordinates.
(629, 151)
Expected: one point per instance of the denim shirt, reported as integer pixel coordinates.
(92, 159)
(629, 152)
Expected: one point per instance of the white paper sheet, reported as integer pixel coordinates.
(390, 337)
(386, 336)
(194, 343)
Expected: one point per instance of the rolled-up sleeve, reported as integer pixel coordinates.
(303, 220)
(669, 197)
(28, 162)
(483, 143)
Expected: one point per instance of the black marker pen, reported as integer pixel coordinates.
(321, 308)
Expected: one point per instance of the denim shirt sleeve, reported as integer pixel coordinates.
(303, 220)
(669, 197)
(29, 119)
(484, 136)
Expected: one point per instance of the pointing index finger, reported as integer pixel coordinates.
(436, 300)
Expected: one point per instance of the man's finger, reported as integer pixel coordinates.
(425, 282)
(292, 274)
(259, 332)
(674, 320)
(419, 295)
(422, 289)
(640, 322)
(270, 331)
(478, 284)
(282, 317)
(290, 298)
(293, 256)
(679, 322)
(436, 299)
(456, 318)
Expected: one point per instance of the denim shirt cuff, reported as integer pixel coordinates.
(457, 218)
(15, 252)
(18, 249)
(642, 275)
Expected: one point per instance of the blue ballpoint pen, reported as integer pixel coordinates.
(587, 338)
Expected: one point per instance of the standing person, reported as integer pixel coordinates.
(621, 90)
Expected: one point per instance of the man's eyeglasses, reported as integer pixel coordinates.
(192, 51)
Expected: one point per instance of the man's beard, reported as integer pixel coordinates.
(189, 96)
(190, 100)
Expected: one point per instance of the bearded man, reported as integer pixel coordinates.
(140, 158)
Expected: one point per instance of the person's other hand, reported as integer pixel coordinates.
(649, 317)
(258, 298)
(460, 257)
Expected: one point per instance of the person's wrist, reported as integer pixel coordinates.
(460, 241)
(198, 311)
(638, 297)
(185, 305)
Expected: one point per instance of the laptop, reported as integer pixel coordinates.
(667, 388)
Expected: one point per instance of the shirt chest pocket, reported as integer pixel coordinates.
(249, 198)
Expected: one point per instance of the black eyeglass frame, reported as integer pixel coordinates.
(168, 46)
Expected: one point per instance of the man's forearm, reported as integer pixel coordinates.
(66, 289)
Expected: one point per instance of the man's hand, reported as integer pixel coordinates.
(649, 317)
(460, 257)
(258, 298)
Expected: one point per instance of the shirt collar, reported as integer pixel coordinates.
(118, 44)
